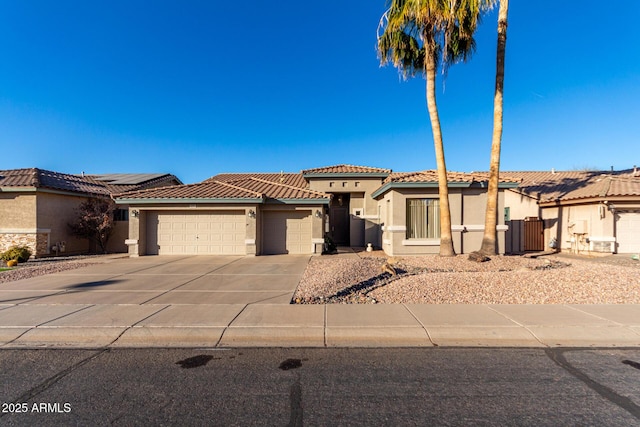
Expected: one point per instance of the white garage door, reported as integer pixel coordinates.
(196, 233)
(628, 232)
(286, 232)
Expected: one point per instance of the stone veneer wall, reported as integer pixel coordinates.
(37, 242)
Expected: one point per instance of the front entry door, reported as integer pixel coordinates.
(339, 220)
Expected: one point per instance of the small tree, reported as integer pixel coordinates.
(95, 221)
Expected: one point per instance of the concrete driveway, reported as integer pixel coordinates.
(166, 280)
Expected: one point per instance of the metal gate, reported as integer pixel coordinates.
(524, 236)
(533, 235)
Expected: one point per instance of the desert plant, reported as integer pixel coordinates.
(329, 246)
(95, 221)
(18, 253)
(12, 263)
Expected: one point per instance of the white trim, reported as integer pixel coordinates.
(250, 241)
(421, 242)
(602, 239)
(395, 228)
(368, 216)
(24, 230)
(316, 241)
(475, 227)
(131, 241)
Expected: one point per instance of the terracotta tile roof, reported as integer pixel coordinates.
(203, 190)
(250, 187)
(432, 176)
(40, 178)
(276, 190)
(123, 182)
(346, 169)
(294, 179)
(572, 185)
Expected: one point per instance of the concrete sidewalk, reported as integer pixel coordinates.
(244, 302)
(279, 325)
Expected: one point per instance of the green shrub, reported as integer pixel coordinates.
(19, 253)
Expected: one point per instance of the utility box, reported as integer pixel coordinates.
(580, 227)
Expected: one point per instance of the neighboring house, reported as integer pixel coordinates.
(277, 213)
(578, 211)
(37, 205)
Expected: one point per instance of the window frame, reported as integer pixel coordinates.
(425, 208)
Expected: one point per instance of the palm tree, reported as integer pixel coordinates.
(489, 240)
(417, 35)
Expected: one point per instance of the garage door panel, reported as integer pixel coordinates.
(628, 232)
(198, 233)
(287, 232)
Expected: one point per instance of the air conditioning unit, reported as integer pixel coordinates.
(602, 244)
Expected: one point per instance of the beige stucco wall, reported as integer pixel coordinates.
(17, 210)
(360, 190)
(520, 206)
(571, 225)
(467, 208)
(54, 212)
(119, 235)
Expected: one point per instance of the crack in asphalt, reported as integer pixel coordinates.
(557, 356)
(295, 398)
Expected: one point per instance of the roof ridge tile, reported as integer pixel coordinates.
(320, 193)
(226, 184)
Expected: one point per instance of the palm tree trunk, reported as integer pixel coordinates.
(489, 240)
(446, 240)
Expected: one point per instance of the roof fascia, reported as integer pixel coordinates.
(346, 175)
(125, 201)
(18, 189)
(588, 200)
(298, 201)
(399, 185)
(50, 191)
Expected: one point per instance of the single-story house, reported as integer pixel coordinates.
(36, 205)
(577, 211)
(280, 213)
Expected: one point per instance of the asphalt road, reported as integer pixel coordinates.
(332, 387)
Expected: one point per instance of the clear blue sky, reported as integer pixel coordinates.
(197, 88)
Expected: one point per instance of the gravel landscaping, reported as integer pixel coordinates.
(556, 279)
(42, 266)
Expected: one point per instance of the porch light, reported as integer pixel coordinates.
(318, 214)
(252, 213)
(135, 213)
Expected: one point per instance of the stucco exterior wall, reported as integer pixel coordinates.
(572, 225)
(359, 188)
(520, 206)
(119, 235)
(467, 208)
(17, 210)
(54, 212)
